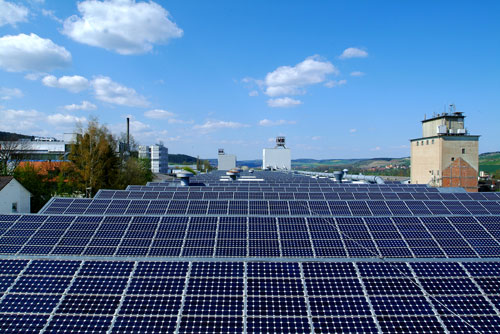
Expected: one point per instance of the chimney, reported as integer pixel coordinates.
(128, 134)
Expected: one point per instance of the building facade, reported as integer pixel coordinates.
(446, 155)
(158, 154)
(225, 161)
(14, 198)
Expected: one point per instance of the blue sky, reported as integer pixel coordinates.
(339, 79)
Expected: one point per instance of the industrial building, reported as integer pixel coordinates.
(158, 154)
(41, 148)
(277, 158)
(446, 155)
(225, 161)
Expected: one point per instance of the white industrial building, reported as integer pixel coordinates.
(41, 148)
(158, 154)
(277, 158)
(14, 198)
(225, 161)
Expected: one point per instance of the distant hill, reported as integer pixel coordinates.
(9, 136)
(181, 159)
(489, 162)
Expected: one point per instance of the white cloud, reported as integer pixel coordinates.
(159, 114)
(107, 90)
(123, 26)
(283, 102)
(85, 105)
(73, 83)
(34, 76)
(179, 121)
(377, 148)
(289, 80)
(353, 130)
(11, 13)
(215, 125)
(353, 53)
(267, 122)
(357, 74)
(253, 93)
(64, 120)
(50, 14)
(31, 53)
(20, 120)
(335, 83)
(316, 137)
(9, 93)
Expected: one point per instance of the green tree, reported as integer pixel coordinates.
(95, 162)
(134, 171)
(37, 184)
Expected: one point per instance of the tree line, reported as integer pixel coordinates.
(93, 163)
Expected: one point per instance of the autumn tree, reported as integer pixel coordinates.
(95, 162)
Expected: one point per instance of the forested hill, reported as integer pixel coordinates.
(7, 136)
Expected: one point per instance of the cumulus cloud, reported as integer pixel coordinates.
(335, 83)
(11, 13)
(21, 120)
(73, 83)
(85, 105)
(216, 125)
(253, 93)
(267, 122)
(123, 26)
(290, 80)
(357, 74)
(64, 120)
(353, 53)
(10, 93)
(283, 102)
(107, 90)
(31, 53)
(159, 114)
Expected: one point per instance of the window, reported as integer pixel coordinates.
(463, 151)
(427, 142)
(417, 143)
(432, 141)
(14, 207)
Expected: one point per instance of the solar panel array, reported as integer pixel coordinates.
(270, 207)
(280, 237)
(118, 266)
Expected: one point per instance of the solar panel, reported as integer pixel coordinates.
(292, 254)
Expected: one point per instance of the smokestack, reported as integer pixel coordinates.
(128, 134)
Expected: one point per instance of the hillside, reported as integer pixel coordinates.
(181, 159)
(8, 136)
(489, 162)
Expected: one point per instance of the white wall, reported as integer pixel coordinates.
(277, 158)
(226, 161)
(14, 192)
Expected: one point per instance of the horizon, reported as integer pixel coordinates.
(336, 79)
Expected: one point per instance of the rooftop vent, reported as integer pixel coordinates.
(184, 178)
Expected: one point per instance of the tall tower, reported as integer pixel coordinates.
(446, 155)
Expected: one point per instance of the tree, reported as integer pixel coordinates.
(135, 171)
(11, 154)
(96, 164)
